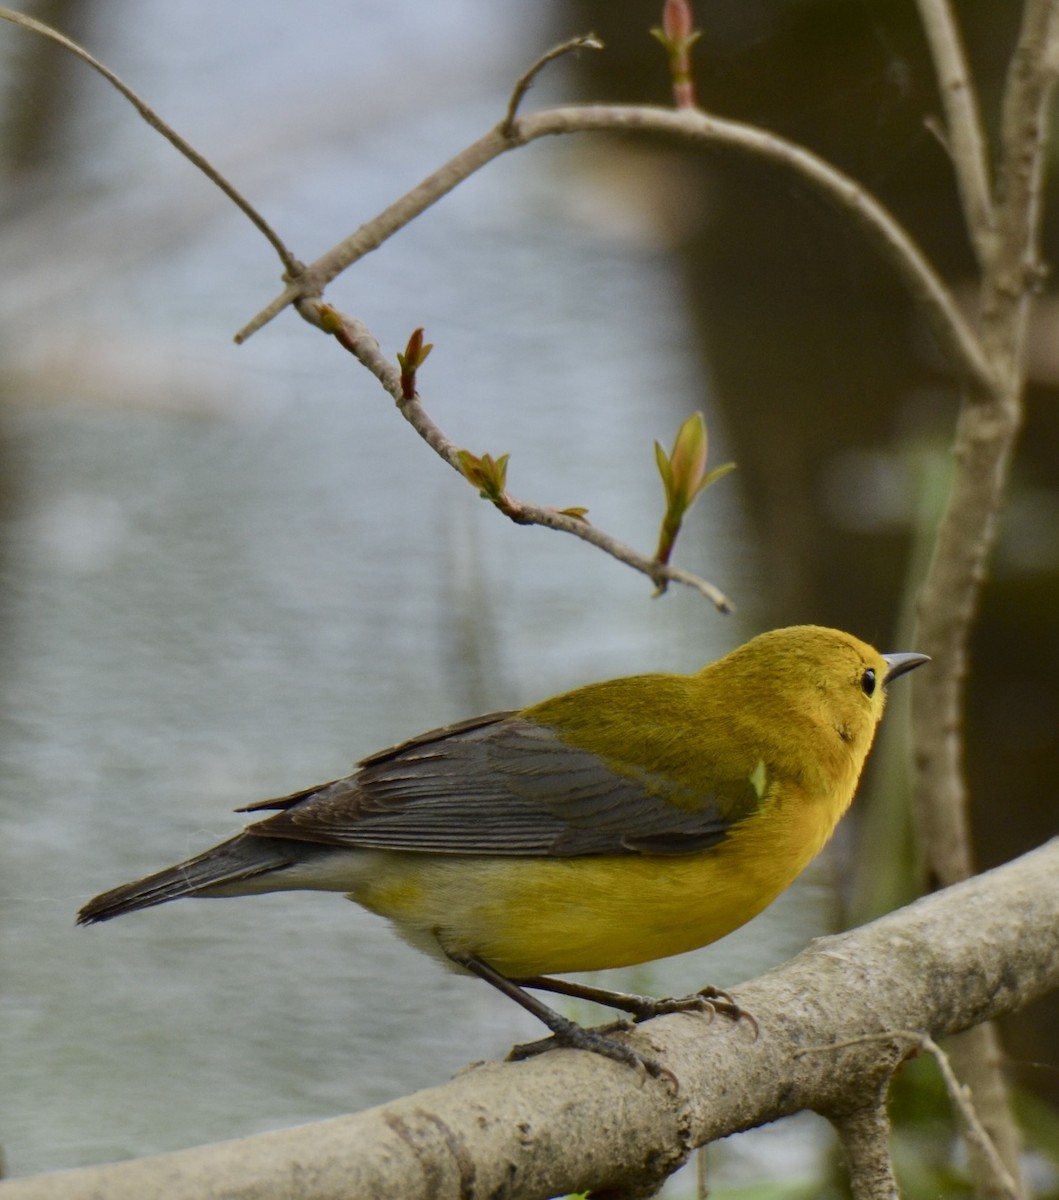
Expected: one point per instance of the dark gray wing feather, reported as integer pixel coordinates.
(500, 785)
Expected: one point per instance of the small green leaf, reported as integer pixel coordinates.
(487, 474)
(470, 465)
(664, 469)
(684, 476)
(688, 459)
(717, 473)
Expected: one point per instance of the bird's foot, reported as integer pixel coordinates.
(596, 1041)
(708, 1000)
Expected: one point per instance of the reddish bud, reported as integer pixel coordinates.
(678, 21)
(414, 356)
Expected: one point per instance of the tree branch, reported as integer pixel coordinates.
(966, 139)
(987, 429)
(866, 1121)
(865, 1137)
(358, 339)
(570, 1121)
(956, 338)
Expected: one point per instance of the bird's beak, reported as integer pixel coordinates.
(898, 664)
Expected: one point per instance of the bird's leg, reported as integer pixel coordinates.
(564, 1031)
(643, 1008)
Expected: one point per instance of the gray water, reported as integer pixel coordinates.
(228, 573)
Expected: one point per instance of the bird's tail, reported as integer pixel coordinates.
(237, 861)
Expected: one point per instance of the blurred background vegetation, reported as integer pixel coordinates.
(229, 572)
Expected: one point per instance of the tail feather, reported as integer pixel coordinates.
(241, 858)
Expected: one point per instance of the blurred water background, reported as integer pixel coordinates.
(229, 572)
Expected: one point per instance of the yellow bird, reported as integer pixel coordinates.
(618, 823)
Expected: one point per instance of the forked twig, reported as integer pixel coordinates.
(586, 41)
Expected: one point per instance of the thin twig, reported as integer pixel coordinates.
(586, 41)
(961, 1098)
(292, 265)
(953, 333)
(358, 339)
(965, 138)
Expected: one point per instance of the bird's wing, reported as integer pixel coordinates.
(505, 785)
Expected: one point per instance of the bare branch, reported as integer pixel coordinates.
(373, 233)
(961, 1099)
(979, 1060)
(306, 284)
(292, 265)
(955, 336)
(1024, 128)
(965, 138)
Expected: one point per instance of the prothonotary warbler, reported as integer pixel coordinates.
(618, 823)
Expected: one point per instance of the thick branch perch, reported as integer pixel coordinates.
(570, 1120)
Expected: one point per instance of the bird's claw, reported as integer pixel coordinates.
(721, 1002)
(708, 1000)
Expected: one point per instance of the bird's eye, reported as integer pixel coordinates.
(867, 682)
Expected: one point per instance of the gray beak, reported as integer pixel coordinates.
(898, 664)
